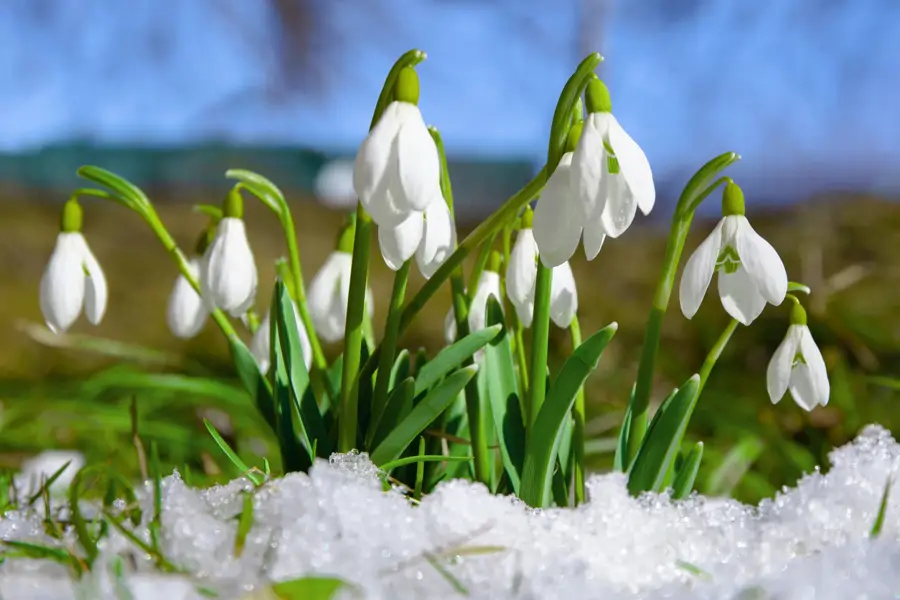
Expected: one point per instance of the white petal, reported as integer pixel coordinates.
(230, 273)
(563, 296)
(450, 327)
(438, 239)
(488, 285)
(418, 163)
(371, 164)
(762, 263)
(399, 243)
(802, 388)
(259, 344)
(633, 165)
(95, 288)
(698, 272)
(525, 311)
(594, 236)
(739, 295)
(324, 299)
(556, 226)
(370, 302)
(817, 372)
(521, 272)
(778, 373)
(186, 313)
(620, 207)
(589, 166)
(62, 285)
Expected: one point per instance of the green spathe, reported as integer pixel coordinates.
(407, 87)
(233, 206)
(574, 136)
(527, 218)
(597, 97)
(732, 200)
(798, 315)
(72, 217)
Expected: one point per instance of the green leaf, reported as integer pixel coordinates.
(120, 185)
(542, 447)
(167, 382)
(48, 483)
(733, 467)
(240, 465)
(424, 413)
(452, 356)
(401, 369)
(502, 392)
(260, 187)
(254, 381)
(882, 509)
(660, 446)
(400, 404)
(308, 588)
(622, 445)
(421, 458)
(245, 524)
(210, 210)
(684, 480)
(295, 457)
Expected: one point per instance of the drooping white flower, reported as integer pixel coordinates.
(521, 279)
(430, 235)
(72, 280)
(329, 294)
(187, 312)
(488, 285)
(397, 168)
(798, 366)
(557, 223)
(228, 276)
(260, 347)
(611, 176)
(750, 271)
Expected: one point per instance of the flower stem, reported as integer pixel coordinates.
(540, 328)
(714, 354)
(518, 338)
(388, 350)
(348, 409)
(578, 412)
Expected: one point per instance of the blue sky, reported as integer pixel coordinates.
(807, 91)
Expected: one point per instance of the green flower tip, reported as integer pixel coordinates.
(597, 97)
(732, 200)
(406, 89)
(574, 136)
(798, 314)
(72, 217)
(233, 206)
(345, 239)
(527, 218)
(495, 261)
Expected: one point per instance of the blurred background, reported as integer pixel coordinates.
(169, 94)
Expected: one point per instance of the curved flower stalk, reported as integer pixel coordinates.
(430, 235)
(797, 366)
(73, 279)
(260, 343)
(228, 278)
(521, 277)
(750, 271)
(488, 285)
(397, 170)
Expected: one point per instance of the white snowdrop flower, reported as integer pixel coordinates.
(750, 271)
(488, 285)
(329, 293)
(430, 235)
(521, 279)
(41, 467)
(187, 312)
(260, 347)
(228, 274)
(557, 224)
(611, 176)
(397, 168)
(333, 185)
(798, 366)
(73, 279)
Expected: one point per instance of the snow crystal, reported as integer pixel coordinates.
(811, 542)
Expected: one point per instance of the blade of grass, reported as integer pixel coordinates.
(684, 480)
(241, 466)
(452, 356)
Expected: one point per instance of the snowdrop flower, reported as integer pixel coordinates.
(73, 278)
(521, 278)
(798, 366)
(488, 285)
(430, 235)
(611, 176)
(260, 347)
(187, 312)
(397, 169)
(228, 275)
(750, 271)
(329, 291)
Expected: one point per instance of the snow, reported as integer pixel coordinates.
(809, 542)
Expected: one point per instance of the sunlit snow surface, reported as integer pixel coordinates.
(809, 543)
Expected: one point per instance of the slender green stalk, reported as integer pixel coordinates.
(348, 409)
(714, 353)
(578, 412)
(480, 263)
(540, 328)
(389, 350)
(518, 338)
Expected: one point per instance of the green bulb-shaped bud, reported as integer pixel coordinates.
(527, 218)
(732, 200)
(233, 206)
(597, 97)
(406, 89)
(573, 136)
(798, 314)
(72, 216)
(345, 238)
(495, 262)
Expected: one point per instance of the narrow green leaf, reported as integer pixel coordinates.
(425, 412)
(421, 458)
(402, 368)
(156, 474)
(245, 524)
(120, 185)
(260, 187)
(684, 480)
(502, 392)
(295, 457)
(59, 555)
(452, 356)
(882, 509)
(622, 446)
(254, 381)
(660, 446)
(308, 588)
(733, 467)
(400, 404)
(542, 447)
(45, 486)
(210, 210)
(240, 465)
